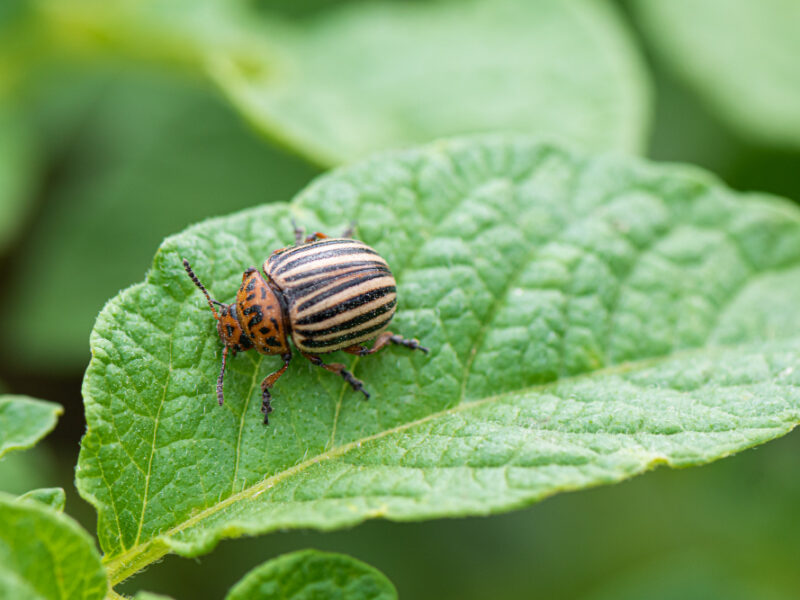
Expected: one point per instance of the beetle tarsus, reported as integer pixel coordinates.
(412, 344)
(298, 233)
(351, 228)
(266, 407)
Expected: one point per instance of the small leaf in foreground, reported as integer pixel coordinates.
(312, 574)
(24, 421)
(45, 555)
(740, 56)
(52, 497)
(588, 317)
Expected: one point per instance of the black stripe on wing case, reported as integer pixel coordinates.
(314, 343)
(346, 305)
(321, 255)
(332, 291)
(337, 267)
(309, 287)
(303, 248)
(350, 323)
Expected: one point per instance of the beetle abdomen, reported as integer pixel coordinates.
(339, 293)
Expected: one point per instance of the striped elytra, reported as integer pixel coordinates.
(326, 293)
(339, 292)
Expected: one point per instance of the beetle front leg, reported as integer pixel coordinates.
(339, 369)
(268, 382)
(382, 340)
(298, 233)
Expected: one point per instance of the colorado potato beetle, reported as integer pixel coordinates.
(327, 294)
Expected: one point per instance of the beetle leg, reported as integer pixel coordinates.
(339, 369)
(298, 233)
(314, 237)
(381, 341)
(268, 382)
(351, 228)
(221, 378)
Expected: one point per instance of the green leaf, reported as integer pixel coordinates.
(150, 596)
(46, 555)
(589, 318)
(740, 56)
(310, 574)
(53, 497)
(24, 421)
(349, 81)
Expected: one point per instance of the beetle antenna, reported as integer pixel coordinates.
(220, 396)
(211, 302)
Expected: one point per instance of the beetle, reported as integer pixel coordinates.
(327, 294)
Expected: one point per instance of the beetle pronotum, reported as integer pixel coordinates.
(326, 293)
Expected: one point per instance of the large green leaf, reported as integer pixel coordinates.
(588, 319)
(741, 56)
(24, 421)
(309, 575)
(370, 75)
(367, 77)
(45, 555)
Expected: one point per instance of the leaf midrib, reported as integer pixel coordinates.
(138, 556)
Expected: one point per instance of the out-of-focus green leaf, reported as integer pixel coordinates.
(151, 153)
(52, 497)
(150, 596)
(589, 319)
(311, 574)
(24, 421)
(371, 76)
(366, 76)
(46, 555)
(741, 57)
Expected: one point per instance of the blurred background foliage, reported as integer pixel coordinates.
(123, 122)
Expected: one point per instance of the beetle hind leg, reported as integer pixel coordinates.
(268, 382)
(382, 340)
(339, 369)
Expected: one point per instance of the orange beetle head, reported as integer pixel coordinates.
(230, 329)
(228, 326)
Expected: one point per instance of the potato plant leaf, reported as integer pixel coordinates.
(349, 82)
(45, 555)
(589, 318)
(24, 421)
(346, 82)
(741, 57)
(53, 497)
(309, 574)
